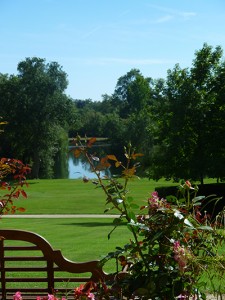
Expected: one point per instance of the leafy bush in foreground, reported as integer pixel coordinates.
(173, 242)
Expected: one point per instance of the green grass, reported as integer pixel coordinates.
(73, 196)
(80, 239)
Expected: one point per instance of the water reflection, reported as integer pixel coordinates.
(79, 167)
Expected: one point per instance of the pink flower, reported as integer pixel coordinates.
(52, 297)
(79, 291)
(17, 296)
(182, 296)
(181, 255)
(185, 296)
(91, 296)
(84, 291)
(155, 202)
(188, 184)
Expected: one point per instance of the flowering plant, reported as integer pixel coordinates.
(18, 296)
(174, 241)
(12, 180)
(88, 291)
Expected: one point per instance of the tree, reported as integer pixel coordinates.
(132, 93)
(34, 104)
(187, 122)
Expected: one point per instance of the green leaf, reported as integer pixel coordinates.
(139, 225)
(156, 236)
(132, 228)
(130, 199)
(134, 206)
(131, 216)
(119, 201)
(205, 228)
(199, 198)
(178, 214)
(197, 204)
(188, 223)
(117, 221)
(119, 248)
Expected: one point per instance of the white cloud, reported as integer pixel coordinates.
(183, 14)
(164, 19)
(92, 31)
(187, 15)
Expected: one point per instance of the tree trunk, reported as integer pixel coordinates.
(36, 165)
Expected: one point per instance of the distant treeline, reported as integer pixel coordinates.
(177, 122)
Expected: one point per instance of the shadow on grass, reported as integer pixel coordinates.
(92, 224)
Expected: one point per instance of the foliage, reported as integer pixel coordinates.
(173, 242)
(15, 171)
(12, 180)
(177, 121)
(41, 110)
(188, 119)
(132, 93)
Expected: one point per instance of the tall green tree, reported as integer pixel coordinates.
(186, 125)
(36, 107)
(132, 93)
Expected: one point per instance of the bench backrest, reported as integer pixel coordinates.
(29, 264)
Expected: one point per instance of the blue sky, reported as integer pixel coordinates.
(98, 41)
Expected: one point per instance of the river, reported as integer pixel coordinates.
(79, 167)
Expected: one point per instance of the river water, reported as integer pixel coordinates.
(79, 167)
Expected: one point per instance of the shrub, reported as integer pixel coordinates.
(173, 243)
(12, 179)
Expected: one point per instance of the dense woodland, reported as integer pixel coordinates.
(178, 123)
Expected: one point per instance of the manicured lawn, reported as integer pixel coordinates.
(79, 239)
(73, 196)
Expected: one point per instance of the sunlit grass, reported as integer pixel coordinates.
(73, 196)
(79, 240)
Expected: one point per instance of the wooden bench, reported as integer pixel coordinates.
(29, 264)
